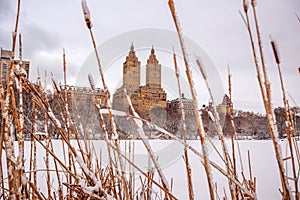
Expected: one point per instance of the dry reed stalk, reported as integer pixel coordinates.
(103, 125)
(48, 138)
(47, 131)
(148, 148)
(299, 22)
(10, 156)
(49, 144)
(266, 96)
(60, 190)
(45, 107)
(287, 118)
(87, 17)
(67, 115)
(229, 176)
(6, 121)
(35, 113)
(31, 143)
(232, 128)
(143, 173)
(227, 159)
(1, 133)
(200, 129)
(70, 123)
(186, 159)
(20, 120)
(115, 135)
(19, 162)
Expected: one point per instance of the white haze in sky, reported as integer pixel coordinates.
(49, 26)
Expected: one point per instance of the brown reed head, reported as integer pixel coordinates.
(275, 51)
(245, 6)
(86, 13)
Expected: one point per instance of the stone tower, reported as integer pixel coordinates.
(131, 81)
(131, 71)
(150, 98)
(153, 71)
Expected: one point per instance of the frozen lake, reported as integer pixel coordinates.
(264, 166)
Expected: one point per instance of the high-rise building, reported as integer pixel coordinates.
(143, 98)
(5, 62)
(131, 72)
(150, 98)
(153, 71)
(131, 81)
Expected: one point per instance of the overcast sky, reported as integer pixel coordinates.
(49, 26)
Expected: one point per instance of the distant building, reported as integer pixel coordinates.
(174, 106)
(5, 62)
(223, 108)
(143, 98)
(84, 96)
(150, 95)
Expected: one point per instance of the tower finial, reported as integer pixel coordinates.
(131, 47)
(152, 50)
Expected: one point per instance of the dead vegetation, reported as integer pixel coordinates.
(80, 173)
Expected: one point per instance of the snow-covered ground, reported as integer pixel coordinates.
(264, 166)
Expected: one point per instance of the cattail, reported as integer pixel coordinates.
(253, 3)
(275, 51)
(299, 70)
(86, 13)
(245, 5)
(202, 70)
(297, 17)
(91, 80)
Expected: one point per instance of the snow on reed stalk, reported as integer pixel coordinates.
(67, 116)
(147, 145)
(186, 159)
(266, 96)
(45, 107)
(214, 165)
(103, 126)
(115, 135)
(19, 120)
(193, 150)
(87, 18)
(227, 159)
(6, 119)
(232, 128)
(33, 141)
(287, 118)
(200, 129)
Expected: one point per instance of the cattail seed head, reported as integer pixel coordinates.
(253, 3)
(86, 13)
(245, 5)
(91, 80)
(275, 51)
(202, 70)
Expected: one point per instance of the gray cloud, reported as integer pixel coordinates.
(49, 26)
(5, 9)
(37, 39)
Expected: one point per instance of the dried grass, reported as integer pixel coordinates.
(80, 174)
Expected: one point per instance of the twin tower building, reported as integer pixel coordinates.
(143, 98)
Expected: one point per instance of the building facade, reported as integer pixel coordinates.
(78, 96)
(188, 108)
(5, 62)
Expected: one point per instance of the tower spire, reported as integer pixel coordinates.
(131, 47)
(153, 71)
(152, 57)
